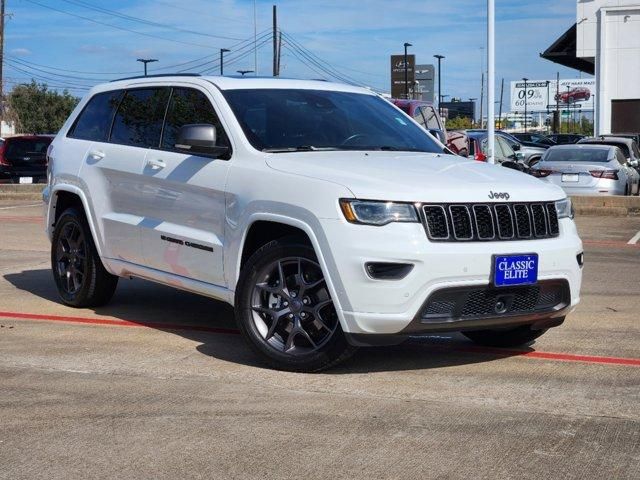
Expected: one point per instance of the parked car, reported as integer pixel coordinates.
(632, 136)
(628, 146)
(585, 169)
(23, 158)
(504, 154)
(531, 154)
(566, 138)
(538, 139)
(327, 218)
(573, 95)
(427, 115)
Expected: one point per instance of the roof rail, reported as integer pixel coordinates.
(158, 75)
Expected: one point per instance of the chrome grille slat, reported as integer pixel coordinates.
(453, 222)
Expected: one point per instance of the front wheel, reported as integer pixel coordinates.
(512, 337)
(285, 311)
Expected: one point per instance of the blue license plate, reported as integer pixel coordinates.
(515, 270)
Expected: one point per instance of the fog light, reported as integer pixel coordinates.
(388, 271)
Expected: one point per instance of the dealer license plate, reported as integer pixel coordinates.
(571, 177)
(515, 270)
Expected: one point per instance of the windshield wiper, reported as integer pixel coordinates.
(301, 148)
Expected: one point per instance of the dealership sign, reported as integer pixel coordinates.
(543, 95)
(397, 75)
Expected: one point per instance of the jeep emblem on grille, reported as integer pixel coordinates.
(495, 195)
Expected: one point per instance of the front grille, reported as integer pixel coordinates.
(466, 303)
(485, 222)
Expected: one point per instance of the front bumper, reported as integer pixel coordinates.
(390, 307)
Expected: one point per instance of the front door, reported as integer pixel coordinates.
(184, 200)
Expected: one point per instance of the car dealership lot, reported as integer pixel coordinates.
(159, 384)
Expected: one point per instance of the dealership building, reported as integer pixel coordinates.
(605, 42)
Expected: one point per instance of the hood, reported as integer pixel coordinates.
(416, 177)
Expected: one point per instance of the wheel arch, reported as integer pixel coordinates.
(64, 196)
(290, 225)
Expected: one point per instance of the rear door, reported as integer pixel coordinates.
(184, 201)
(113, 168)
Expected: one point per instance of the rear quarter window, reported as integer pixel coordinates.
(94, 121)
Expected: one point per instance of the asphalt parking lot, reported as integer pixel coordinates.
(159, 385)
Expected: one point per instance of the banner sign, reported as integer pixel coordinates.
(543, 95)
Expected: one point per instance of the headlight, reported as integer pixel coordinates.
(377, 213)
(564, 208)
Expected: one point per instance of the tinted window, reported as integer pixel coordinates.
(140, 116)
(94, 121)
(417, 116)
(19, 148)
(288, 119)
(636, 152)
(577, 155)
(188, 106)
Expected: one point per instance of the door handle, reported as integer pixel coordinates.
(156, 164)
(96, 155)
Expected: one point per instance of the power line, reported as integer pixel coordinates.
(74, 77)
(231, 60)
(143, 21)
(118, 27)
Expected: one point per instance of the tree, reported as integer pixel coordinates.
(35, 109)
(458, 123)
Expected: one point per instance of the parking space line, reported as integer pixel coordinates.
(634, 239)
(535, 354)
(21, 206)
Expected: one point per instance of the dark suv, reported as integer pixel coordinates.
(23, 158)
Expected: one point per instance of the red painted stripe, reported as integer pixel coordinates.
(118, 323)
(563, 357)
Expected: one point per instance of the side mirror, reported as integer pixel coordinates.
(515, 147)
(199, 139)
(520, 156)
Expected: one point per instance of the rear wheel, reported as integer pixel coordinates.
(81, 278)
(512, 337)
(285, 311)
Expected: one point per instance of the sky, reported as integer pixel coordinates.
(79, 43)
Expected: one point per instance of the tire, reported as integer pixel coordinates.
(533, 161)
(283, 280)
(80, 277)
(513, 337)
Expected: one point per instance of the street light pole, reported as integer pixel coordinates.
(244, 72)
(145, 61)
(406, 71)
(473, 115)
(525, 104)
(222, 50)
(439, 57)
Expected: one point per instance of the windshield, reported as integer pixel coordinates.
(577, 155)
(284, 120)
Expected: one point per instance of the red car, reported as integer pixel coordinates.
(573, 95)
(426, 115)
(23, 158)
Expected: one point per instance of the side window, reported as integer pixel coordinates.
(432, 118)
(138, 121)
(620, 156)
(188, 106)
(507, 151)
(417, 116)
(94, 121)
(636, 151)
(500, 150)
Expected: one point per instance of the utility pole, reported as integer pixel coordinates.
(481, 99)
(275, 41)
(222, 51)
(525, 104)
(255, 38)
(473, 117)
(491, 80)
(406, 70)
(501, 99)
(143, 60)
(439, 57)
(279, 52)
(1, 63)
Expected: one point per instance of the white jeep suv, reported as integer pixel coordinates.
(324, 214)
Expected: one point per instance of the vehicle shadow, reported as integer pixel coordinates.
(212, 325)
